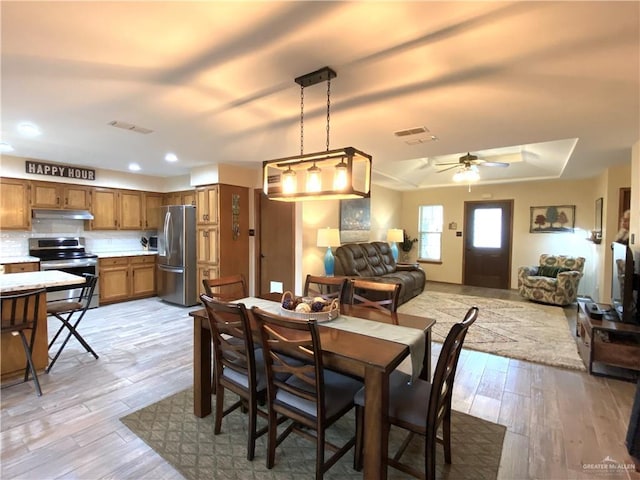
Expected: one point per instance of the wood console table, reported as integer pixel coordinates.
(607, 342)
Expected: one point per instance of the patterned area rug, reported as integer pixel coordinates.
(188, 443)
(525, 331)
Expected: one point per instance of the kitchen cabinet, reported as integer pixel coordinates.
(60, 195)
(127, 278)
(21, 267)
(222, 231)
(152, 214)
(129, 210)
(186, 197)
(104, 207)
(207, 205)
(15, 210)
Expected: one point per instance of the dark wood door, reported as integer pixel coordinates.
(275, 244)
(487, 243)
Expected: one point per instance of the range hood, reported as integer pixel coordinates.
(62, 214)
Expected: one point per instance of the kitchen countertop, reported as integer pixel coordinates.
(125, 253)
(20, 259)
(16, 282)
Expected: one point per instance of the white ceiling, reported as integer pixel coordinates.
(553, 85)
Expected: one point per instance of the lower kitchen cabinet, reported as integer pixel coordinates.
(127, 278)
(21, 267)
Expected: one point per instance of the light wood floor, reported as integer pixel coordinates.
(557, 419)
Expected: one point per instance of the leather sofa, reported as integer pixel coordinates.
(375, 261)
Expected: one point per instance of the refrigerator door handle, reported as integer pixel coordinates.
(167, 217)
(171, 269)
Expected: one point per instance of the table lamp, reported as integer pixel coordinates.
(328, 237)
(395, 235)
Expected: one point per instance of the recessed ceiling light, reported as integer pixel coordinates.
(28, 129)
(5, 147)
(134, 167)
(171, 157)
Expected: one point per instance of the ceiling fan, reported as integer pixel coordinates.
(468, 161)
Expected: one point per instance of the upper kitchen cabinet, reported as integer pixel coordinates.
(207, 205)
(59, 195)
(15, 213)
(186, 197)
(130, 203)
(152, 203)
(104, 207)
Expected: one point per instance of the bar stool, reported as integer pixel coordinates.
(20, 313)
(64, 310)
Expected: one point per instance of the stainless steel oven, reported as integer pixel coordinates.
(67, 254)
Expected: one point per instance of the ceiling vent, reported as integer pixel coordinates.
(411, 131)
(129, 126)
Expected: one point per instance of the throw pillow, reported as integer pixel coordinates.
(546, 271)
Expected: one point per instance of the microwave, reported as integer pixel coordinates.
(153, 242)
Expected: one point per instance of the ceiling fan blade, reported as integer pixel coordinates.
(448, 168)
(493, 164)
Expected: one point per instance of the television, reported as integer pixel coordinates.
(624, 284)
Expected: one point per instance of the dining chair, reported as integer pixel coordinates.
(227, 288)
(71, 311)
(325, 287)
(313, 397)
(372, 294)
(421, 407)
(19, 313)
(238, 365)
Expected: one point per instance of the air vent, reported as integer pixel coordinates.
(417, 141)
(130, 126)
(411, 131)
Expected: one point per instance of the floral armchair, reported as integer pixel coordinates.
(554, 281)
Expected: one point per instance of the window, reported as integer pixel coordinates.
(487, 228)
(430, 232)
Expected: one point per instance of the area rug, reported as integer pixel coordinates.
(188, 443)
(521, 330)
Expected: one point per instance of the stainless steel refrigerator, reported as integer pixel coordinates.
(177, 270)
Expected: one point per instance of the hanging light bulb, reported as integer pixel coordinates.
(289, 182)
(314, 180)
(468, 174)
(341, 176)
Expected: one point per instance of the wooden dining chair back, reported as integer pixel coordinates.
(238, 365)
(20, 313)
(422, 407)
(312, 397)
(227, 288)
(372, 294)
(325, 287)
(70, 312)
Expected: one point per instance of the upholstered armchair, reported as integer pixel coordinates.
(555, 280)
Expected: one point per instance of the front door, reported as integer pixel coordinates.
(487, 244)
(275, 246)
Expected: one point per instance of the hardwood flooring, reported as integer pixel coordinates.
(557, 419)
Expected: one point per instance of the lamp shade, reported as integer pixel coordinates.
(328, 237)
(395, 235)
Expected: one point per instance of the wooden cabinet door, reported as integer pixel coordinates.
(104, 206)
(46, 195)
(15, 210)
(152, 203)
(114, 280)
(189, 197)
(76, 197)
(130, 210)
(207, 205)
(143, 276)
(173, 198)
(207, 245)
(206, 270)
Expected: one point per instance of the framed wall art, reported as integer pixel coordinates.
(355, 220)
(553, 219)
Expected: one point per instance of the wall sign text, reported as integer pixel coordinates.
(57, 170)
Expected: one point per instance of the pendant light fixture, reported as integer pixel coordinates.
(332, 174)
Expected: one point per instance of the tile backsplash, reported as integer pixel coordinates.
(15, 243)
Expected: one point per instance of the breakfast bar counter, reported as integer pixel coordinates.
(13, 360)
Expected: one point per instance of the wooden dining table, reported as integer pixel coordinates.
(369, 358)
